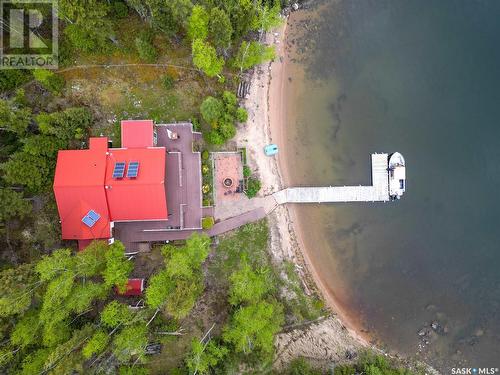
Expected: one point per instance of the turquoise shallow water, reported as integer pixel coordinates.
(420, 77)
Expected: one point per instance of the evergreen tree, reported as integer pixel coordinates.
(220, 28)
(19, 286)
(212, 109)
(14, 117)
(67, 125)
(89, 29)
(13, 205)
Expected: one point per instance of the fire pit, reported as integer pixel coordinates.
(227, 182)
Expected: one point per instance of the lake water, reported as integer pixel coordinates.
(423, 78)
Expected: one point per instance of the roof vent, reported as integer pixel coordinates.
(91, 218)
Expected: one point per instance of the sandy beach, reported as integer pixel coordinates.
(332, 337)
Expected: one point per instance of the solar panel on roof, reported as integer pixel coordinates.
(93, 215)
(88, 221)
(91, 218)
(133, 169)
(119, 169)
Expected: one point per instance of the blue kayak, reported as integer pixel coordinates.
(271, 150)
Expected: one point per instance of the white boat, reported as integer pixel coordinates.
(397, 175)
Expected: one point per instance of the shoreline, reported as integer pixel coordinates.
(277, 107)
(329, 339)
(334, 337)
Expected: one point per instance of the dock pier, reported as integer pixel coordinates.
(377, 192)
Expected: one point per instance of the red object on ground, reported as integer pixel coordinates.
(137, 133)
(84, 182)
(134, 287)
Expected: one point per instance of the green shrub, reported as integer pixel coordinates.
(51, 81)
(120, 9)
(196, 124)
(205, 169)
(91, 38)
(205, 155)
(221, 114)
(207, 222)
(253, 187)
(144, 45)
(167, 81)
(241, 115)
(207, 202)
(247, 172)
(299, 366)
(12, 78)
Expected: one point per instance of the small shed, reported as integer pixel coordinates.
(134, 287)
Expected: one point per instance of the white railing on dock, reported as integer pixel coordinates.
(377, 192)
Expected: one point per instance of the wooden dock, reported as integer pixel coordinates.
(377, 192)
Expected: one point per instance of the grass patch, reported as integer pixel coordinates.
(302, 307)
(251, 241)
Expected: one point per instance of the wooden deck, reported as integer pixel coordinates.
(377, 192)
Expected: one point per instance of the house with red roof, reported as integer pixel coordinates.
(101, 188)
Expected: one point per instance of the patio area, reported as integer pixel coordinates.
(228, 177)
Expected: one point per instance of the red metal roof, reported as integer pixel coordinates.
(83, 181)
(134, 287)
(79, 187)
(137, 133)
(141, 198)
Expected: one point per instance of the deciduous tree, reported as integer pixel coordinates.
(159, 287)
(251, 54)
(253, 327)
(96, 344)
(115, 313)
(203, 357)
(205, 58)
(118, 267)
(198, 23)
(247, 285)
(131, 341)
(267, 17)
